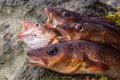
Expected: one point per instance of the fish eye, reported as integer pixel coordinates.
(37, 25)
(35, 34)
(65, 14)
(79, 27)
(52, 51)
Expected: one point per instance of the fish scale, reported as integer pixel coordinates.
(87, 45)
(86, 57)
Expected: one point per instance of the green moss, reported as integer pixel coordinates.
(58, 78)
(103, 78)
(115, 16)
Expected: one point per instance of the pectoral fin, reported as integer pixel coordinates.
(96, 66)
(93, 65)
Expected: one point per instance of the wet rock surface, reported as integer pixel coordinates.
(113, 3)
(13, 58)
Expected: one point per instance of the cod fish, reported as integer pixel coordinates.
(63, 16)
(78, 57)
(74, 26)
(89, 31)
(36, 35)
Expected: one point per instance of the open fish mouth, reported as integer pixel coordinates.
(50, 16)
(38, 61)
(36, 42)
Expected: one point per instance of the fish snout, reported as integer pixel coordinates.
(48, 9)
(19, 36)
(24, 28)
(34, 52)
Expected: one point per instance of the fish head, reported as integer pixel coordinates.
(61, 16)
(87, 31)
(56, 57)
(27, 27)
(36, 35)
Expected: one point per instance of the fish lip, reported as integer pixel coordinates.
(50, 16)
(23, 26)
(18, 35)
(23, 34)
(37, 61)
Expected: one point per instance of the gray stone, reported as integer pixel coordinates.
(13, 58)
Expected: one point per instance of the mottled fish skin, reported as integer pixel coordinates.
(78, 57)
(63, 16)
(36, 35)
(74, 26)
(89, 31)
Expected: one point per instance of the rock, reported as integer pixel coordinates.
(113, 3)
(13, 58)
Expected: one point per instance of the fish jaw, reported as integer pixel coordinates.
(23, 34)
(35, 42)
(38, 62)
(36, 58)
(24, 30)
(51, 19)
(19, 35)
(49, 15)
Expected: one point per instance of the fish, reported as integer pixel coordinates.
(89, 31)
(64, 16)
(36, 35)
(78, 57)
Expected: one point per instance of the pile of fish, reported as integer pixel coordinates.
(71, 43)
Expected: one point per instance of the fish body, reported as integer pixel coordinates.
(36, 35)
(89, 31)
(41, 36)
(74, 26)
(78, 57)
(63, 16)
